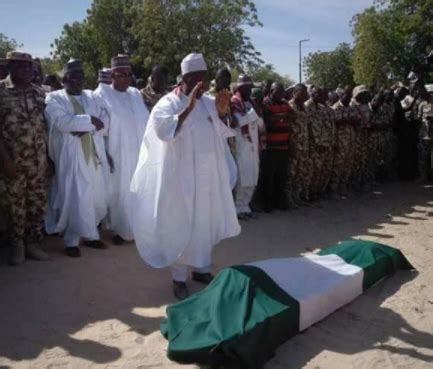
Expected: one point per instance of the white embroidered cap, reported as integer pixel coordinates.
(193, 63)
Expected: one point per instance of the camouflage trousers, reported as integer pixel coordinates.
(361, 174)
(321, 170)
(343, 165)
(424, 158)
(390, 152)
(300, 173)
(26, 202)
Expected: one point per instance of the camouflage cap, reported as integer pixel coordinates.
(73, 65)
(18, 56)
(120, 61)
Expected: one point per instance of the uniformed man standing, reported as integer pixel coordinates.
(23, 155)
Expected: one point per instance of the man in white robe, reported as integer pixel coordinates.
(183, 181)
(77, 202)
(248, 124)
(128, 117)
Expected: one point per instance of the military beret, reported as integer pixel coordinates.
(18, 56)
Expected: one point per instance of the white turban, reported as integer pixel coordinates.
(193, 63)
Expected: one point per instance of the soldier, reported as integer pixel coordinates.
(328, 140)
(346, 118)
(316, 145)
(23, 152)
(425, 115)
(377, 135)
(390, 136)
(360, 175)
(300, 169)
(156, 86)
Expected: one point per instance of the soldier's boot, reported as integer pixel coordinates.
(18, 253)
(35, 253)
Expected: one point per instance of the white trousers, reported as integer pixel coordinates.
(243, 199)
(179, 272)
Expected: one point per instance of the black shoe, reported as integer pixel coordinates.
(180, 290)
(73, 252)
(117, 240)
(96, 244)
(204, 278)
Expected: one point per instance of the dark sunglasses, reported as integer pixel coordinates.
(122, 74)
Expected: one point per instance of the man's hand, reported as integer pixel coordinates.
(97, 123)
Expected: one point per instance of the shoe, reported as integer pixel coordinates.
(18, 253)
(96, 244)
(204, 278)
(34, 252)
(243, 216)
(73, 252)
(252, 215)
(117, 240)
(180, 290)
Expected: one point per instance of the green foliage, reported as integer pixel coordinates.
(262, 73)
(51, 66)
(161, 31)
(330, 68)
(390, 37)
(7, 44)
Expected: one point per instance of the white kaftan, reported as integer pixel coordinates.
(125, 131)
(77, 199)
(183, 195)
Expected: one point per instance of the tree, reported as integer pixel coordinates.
(330, 68)
(267, 72)
(7, 44)
(390, 38)
(162, 31)
(51, 66)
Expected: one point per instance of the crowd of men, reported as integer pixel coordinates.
(73, 159)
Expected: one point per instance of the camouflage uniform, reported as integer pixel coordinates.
(23, 130)
(344, 146)
(390, 141)
(316, 146)
(328, 141)
(361, 175)
(425, 110)
(300, 169)
(376, 141)
(321, 142)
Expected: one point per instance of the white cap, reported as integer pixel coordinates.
(193, 63)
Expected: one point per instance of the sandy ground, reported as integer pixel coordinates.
(104, 310)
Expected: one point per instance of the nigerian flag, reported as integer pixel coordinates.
(249, 310)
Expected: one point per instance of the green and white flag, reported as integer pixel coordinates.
(249, 310)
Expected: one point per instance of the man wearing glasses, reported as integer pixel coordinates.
(76, 123)
(127, 120)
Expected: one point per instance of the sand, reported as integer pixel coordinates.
(104, 309)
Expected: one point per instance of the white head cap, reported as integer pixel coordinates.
(193, 63)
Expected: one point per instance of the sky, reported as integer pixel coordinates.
(36, 23)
